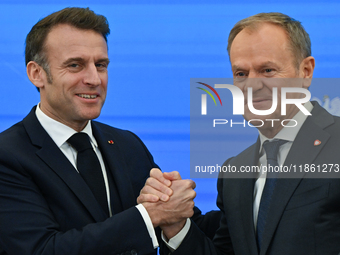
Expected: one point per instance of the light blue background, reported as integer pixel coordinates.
(155, 48)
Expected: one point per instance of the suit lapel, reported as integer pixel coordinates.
(56, 160)
(311, 131)
(116, 166)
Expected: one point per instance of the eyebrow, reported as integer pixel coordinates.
(106, 60)
(236, 67)
(70, 60)
(267, 63)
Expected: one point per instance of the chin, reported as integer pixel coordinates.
(91, 115)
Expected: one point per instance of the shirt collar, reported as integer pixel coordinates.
(59, 132)
(289, 133)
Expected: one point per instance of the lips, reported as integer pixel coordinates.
(260, 100)
(257, 100)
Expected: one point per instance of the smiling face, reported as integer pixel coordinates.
(261, 53)
(78, 62)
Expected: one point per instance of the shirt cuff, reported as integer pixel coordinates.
(175, 242)
(148, 224)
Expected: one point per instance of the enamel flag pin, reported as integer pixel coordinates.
(110, 142)
(317, 142)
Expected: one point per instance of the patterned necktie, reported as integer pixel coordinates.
(89, 167)
(272, 149)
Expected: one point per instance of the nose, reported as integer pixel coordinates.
(254, 81)
(92, 76)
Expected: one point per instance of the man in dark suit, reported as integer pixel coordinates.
(49, 205)
(283, 214)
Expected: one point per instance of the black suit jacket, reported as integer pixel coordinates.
(304, 216)
(46, 207)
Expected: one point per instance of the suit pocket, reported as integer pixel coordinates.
(308, 197)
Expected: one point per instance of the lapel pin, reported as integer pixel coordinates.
(317, 142)
(110, 142)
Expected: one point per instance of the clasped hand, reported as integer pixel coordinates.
(168, 200)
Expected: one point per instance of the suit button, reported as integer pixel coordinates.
(133, 252)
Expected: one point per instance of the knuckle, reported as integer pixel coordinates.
(155, 172)
(152, 183)
(193, 184)
(152, 191)
(187, 184)
(193, 194)
(146, 190)
(140, 199)
(148, 181)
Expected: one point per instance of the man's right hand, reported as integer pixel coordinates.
(168, 200)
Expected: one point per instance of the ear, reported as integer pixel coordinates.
(306, 70)
(36, 74)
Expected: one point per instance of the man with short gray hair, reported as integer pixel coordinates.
(266, 214)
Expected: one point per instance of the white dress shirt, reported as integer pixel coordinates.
(60, 133)
(288, 134)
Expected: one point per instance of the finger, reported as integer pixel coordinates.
(152, 185)
(193, 184)
(157, 174)
(142, 198)
(172, 176)
(163, 194)
(183, 184)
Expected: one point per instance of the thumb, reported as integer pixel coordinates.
(172, 176)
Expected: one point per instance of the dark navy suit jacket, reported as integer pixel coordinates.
(304, 217)
(46, 207)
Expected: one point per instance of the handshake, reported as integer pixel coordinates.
(168, 200)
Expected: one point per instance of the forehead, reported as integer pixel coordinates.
(265, 40)
(65, 40)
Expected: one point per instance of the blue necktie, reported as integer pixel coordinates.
(89, 167)
(272, 149)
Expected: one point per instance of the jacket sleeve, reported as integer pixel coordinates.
(208, 234)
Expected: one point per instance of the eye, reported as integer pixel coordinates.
(269, 72)
(240, 74)
(74, 67)
(102, 66)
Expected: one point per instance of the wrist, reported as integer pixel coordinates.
(153, 211)
(170, 231)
